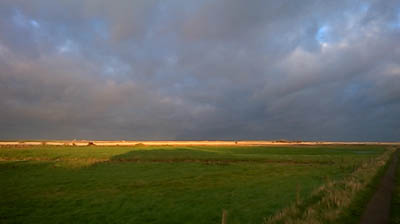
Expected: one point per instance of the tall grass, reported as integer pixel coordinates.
(395, 207)
(329, 203)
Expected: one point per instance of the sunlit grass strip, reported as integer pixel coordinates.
(327, 203)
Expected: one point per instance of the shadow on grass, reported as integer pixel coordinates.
(206, 157)
(173, 155)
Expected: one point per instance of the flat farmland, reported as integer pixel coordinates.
(186, 184)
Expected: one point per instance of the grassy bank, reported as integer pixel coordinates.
(337, 201)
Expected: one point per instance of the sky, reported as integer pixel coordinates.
(200, 70)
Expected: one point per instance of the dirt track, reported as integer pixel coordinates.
(378, 208)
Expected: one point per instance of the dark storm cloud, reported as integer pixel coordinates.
(313, 70)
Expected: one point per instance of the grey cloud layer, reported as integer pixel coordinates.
(312, 70)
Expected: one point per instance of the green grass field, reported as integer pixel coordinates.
(166, 184)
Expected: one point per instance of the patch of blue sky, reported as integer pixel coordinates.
(364, 7)
(322, 35)
(34, 23)
(397, 22)
(21, 20)
(394, 25)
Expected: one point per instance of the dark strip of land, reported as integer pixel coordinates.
(221, 161)
(378, 208)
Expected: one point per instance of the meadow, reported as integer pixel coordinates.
(186, 184)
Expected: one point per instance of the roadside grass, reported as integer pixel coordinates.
(167, 184)
(395, 206)
(337, 201)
